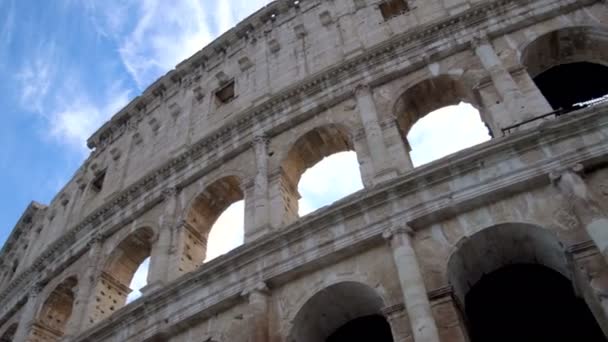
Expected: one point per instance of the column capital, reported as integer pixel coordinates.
(260, 138)
(556, 175)
(96, 239)
(395, 231)
(389, 311)
(36, 290)
(479, 40)
(258, 288)
(169, 192)
(363, 88)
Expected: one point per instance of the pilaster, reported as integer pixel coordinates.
(257, 316)
(159, 271)
(383, 170)
(516, 106)
(586, 205)
(28, 315)
(417, 305)
(260, 223)
(86, 285)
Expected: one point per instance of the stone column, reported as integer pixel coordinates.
(261, 211)
(585, 205)
(257, 317)
(417, 305)
(514, 101)
(397, 146)
(158, 272)
(383, 170)
(28, 316)
(86, 286)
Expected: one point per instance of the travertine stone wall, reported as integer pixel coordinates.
(312, 78)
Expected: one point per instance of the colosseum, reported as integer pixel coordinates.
(503, 241)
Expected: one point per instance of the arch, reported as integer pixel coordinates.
(53, 317)
(499, 271)
(431, 94)
(202, 214)
(579, 54)
(112, 288)
(9, 333)
(327, 313)
(492, 248)
(308, 150)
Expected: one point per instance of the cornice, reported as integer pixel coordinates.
(151, 182)
(113, 129)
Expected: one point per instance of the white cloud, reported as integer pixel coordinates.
(36, 76)
(446, 131)
(75, 120)
(164, 33)
(333, 178)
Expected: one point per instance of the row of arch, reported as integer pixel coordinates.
(579, 54)
(511, 282)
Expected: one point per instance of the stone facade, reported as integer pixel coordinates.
(247, 115)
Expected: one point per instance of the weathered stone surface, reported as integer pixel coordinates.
(243, 119)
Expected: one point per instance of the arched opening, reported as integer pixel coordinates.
(569, 66)
(55, 313)
(331, 179)
(323, 146)
(527, 302)
(346, 311)
(438, 117)
(512, 283)
(113, 289)
(9, 333)
(214, 223)
(139, 280)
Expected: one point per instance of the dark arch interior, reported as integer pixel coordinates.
(568, 84)
(528, 303)
(369, 328)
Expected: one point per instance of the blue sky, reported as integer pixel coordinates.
(68, 65)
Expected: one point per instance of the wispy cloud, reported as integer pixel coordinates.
(8, 26)
(76, 119)
(36, 76)
(164, 33)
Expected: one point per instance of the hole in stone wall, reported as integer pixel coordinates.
(97, 183)
(393, 8)
(446, 131)
(528, 303)
(226, 93)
